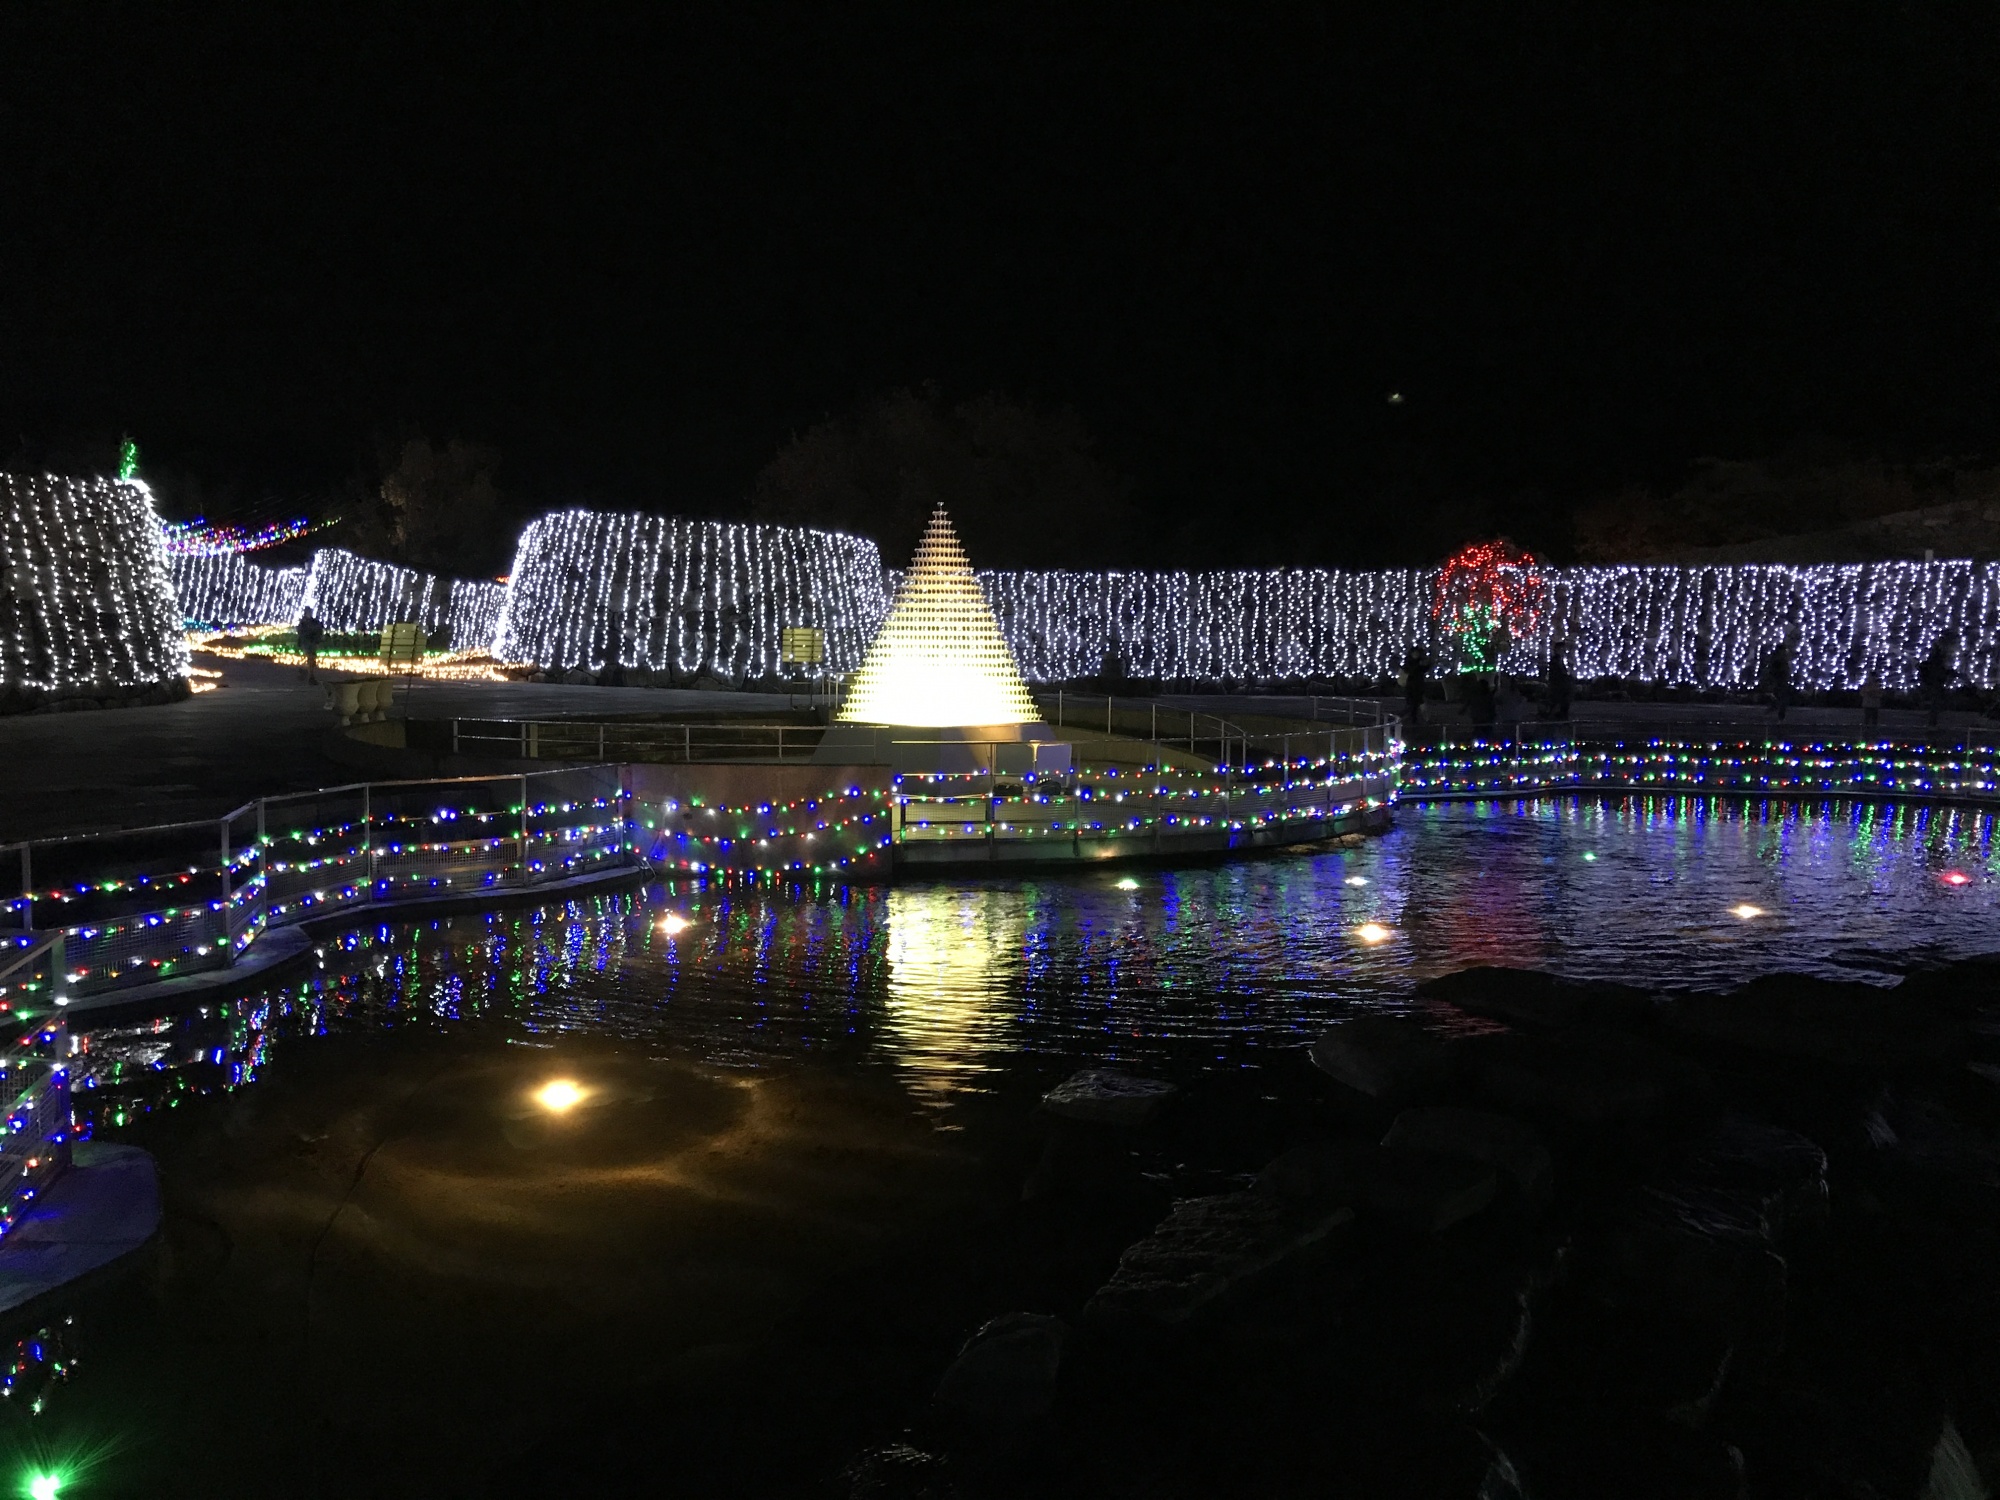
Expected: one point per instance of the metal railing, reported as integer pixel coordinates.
(35, 1132)
(1242, 741)
(601, 740)
(989, 792)
(155, 903)
(1525, 759)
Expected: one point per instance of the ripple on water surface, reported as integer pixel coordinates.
(948, 982)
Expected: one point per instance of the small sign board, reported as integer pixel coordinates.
(802, 646)
(402, 644)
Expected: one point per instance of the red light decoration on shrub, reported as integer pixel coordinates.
(1483, 588)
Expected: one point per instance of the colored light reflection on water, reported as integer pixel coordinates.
(949, 983)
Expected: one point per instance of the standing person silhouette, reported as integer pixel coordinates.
(1934, 674)
(311, 632)
(1416, 670)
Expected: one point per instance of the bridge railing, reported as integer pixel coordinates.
(146, 904)
(35, 1131)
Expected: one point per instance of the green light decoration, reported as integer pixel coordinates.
(128, 468)
(1477, 626)
(44, 1486)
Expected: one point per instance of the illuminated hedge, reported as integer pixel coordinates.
(86, 606)
(688, 596)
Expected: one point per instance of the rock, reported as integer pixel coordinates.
(1953, 1474)
(1508, 1146)
(896, 1471)
(1778, 1173)
(1100, 1096)
(1599, 1080)
(1319, 1171)
(1389, 1058)
(1207, 1248)
(1856, 1028)
(1006, 1373)
(1531, 998)
(1421, 1192)
(1406, 1190)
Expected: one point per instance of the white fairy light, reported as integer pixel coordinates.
(86, 604)
(663, 593)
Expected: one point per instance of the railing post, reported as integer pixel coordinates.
(263, 866)
(454, 736)
(27, 888)
(368, 833)
(227, 942)
(524, 830)
(600, 742)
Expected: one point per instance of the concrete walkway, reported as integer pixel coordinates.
(102, 1209)
(260, 734)
(264, 731)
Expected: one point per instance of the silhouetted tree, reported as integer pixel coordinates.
(1023, 484)
(438, 508)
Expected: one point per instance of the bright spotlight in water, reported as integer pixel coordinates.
(1957, 877)
(1372, 933)
(1746, 911)
(1128, 884)
(1357, 880)
(673, 923)
(1589, 856)
(44, 1486)
(559, 1095)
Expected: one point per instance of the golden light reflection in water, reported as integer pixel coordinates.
(951, 955)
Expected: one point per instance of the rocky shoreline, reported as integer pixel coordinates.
(1533, 1239)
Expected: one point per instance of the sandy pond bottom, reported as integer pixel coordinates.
(791, 1184)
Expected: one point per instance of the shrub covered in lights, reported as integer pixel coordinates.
(86, 606)
(1705, 627)
(665, 594)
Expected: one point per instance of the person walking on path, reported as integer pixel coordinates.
(310, 634)
(1778, 677)
(1934, 674)
(1416, 669)
(1871, 698)
(1562, 687)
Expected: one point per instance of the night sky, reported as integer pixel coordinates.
(635, 252)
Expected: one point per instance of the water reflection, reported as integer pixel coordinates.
(947, 984)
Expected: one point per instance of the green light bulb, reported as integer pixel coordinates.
(44, 1486)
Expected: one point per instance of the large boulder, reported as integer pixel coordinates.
(1777, 1173)
(1506, 1145)
(896, 1471)
(1851, 1028)
(1208, 1248)
(1596, 1080)
(1396, 1187)
(1099, 1096)
(1391, 1059)
(1006, 1373)
(1532, 998)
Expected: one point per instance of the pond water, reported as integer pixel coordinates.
(951, 983)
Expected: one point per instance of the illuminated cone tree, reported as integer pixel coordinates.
(939, 658)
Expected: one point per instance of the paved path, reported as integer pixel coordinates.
(1663, 717)
(260, 734)
(263, 733)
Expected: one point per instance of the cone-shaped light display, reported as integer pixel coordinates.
(939, 658)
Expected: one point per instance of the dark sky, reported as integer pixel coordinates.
(634, 250)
